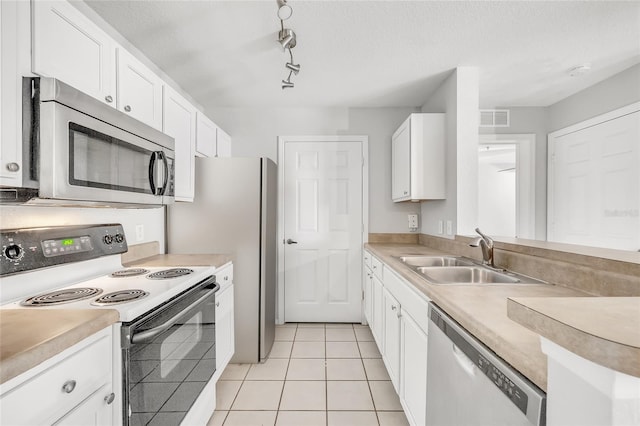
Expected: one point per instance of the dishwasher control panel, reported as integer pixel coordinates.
(506, 385)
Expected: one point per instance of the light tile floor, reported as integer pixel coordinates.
(316, 374)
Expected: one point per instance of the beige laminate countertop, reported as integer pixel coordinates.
(605, 330)
(29, 337)
(482, 310)
(176, 260)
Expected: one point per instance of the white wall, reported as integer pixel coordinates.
(458, 98)
(255, 132)
(35, 216)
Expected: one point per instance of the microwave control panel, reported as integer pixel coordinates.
(34, 248)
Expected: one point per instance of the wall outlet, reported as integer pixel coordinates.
(413, 222)
(440, 227)
(449, 227)
(139, 233)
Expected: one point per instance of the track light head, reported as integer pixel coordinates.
(293, 67)
(286, 84)
(287, 38)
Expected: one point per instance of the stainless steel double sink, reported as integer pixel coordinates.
(451, 270)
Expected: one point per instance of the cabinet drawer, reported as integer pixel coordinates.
(224, 276)
(376, 267)
(415, 305)
(43, 399)
(366, 259)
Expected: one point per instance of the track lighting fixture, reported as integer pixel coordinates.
(287, 39)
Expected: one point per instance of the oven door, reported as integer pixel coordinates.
(83, 158)
(169, 356)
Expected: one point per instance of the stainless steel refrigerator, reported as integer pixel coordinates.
(234, 212)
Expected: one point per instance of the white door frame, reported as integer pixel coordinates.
(525, 178)
(282, 140)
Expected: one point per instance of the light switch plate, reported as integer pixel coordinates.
(413, 222)
(449, 227)
(139, 233)
(440, 227)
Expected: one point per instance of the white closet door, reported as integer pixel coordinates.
(594, 191)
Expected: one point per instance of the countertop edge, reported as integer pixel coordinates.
(597, 349)
(31, 357)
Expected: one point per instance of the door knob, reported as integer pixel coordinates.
(290, 241)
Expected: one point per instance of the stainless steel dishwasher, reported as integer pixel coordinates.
(468, 384)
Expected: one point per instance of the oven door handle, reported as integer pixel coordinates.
(147, 335)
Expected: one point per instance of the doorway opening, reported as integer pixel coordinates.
(506, 195)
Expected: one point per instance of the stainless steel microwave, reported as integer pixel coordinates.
(82, 150)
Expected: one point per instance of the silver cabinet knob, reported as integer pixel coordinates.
(127, 108)
(226, 278)
(393, 307)
(13, 167)
(108, 98)
(406, 192)
(109, 398)
(217, 304)
(69, 386)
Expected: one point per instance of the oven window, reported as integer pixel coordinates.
(167, 374)
(99, 161)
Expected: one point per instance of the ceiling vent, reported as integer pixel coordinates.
(494, 118)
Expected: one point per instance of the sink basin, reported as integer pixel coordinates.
(434, 261)
(469, 275)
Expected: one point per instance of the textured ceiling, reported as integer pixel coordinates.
(379, 53)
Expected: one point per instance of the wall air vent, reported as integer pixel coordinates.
(494, 118)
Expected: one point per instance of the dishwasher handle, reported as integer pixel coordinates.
(463, 360)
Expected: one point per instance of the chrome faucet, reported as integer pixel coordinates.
(486, 244)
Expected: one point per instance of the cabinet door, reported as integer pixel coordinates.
(391, 345)
(225, 345)
(413, 380)
(401, 162)
(69, 46)
(179, 122)
(205, 136)
(223, 144)
(139, 90)
(93, 411)
(368, 296)
(377, 311)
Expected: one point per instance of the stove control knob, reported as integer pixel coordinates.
(13, 252)
(119, 238)
(108, 239)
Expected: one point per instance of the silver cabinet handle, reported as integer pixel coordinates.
(108, 98)
(226, 277)
(127, 108)
(69, 386)
(109, 398)
(13, 167)
(217, 304)
(290, 241)
(393, 307)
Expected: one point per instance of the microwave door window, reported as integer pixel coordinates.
(101, 161)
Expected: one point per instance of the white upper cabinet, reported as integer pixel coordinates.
(139, 90)
(418, 158)
(179, 122)
(69, 46)
(223, 144)
(205, 136)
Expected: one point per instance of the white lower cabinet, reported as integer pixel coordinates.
(377, 324)
(399, 323)
(225, 336)
(391, 346)
(413, 370)
(73, 388)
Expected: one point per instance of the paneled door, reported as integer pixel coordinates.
(323, 229)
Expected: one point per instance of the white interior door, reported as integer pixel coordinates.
(594, 184)
(322, 198)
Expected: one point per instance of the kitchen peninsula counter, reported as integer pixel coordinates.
(605, 330)
(482, 309)
(29, 337)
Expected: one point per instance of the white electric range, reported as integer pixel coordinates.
(165, 350)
